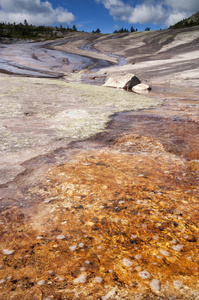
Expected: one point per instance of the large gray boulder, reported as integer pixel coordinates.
(126, 82)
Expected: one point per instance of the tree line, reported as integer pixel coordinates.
(123, 30)
(26, 31)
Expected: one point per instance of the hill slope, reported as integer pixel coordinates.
(191, 21)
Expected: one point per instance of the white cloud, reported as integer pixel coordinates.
(117, 8)
(175, 17)
(35, 12)
(184, 5)
(144, 14)
(164, 12)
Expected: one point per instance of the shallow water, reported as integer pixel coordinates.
(33, 59)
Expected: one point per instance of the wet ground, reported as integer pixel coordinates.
(35, 59)
(113, 215)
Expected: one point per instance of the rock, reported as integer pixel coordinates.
(141, 88)
(7, 252)
(123, 82)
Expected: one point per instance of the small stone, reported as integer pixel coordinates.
(172, 242)
(109, 295)
(144, 274)
(2, 281)
(61, 237)
(98, 279)
(127, 262)
(141, 88)
(134, 236)
(177, 247)
(80, 279)
(177, 283)
(164, 252)
(41, 282)
(155, 285)
(9, 277)
(72, 248)
(87, 262)
(7, 252)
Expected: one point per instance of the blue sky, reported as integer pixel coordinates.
(107, 15)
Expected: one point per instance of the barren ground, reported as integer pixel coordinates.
(99, 187)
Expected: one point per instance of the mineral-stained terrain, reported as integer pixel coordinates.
(99, 187)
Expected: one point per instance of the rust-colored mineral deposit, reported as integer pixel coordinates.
(111, 222)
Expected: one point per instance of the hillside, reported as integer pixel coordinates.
(191, 21)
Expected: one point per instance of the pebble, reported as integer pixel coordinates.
(134, 236)
(2, 281)
(80, 279)
(87, 262)
(155, 285)
(7, 252)
(127, 262)
(61, 237)
(41, 282)
(72, 248)
(177, 283)
(177, 247)
(172, 242)
(164, 252)
(110, 294)
(8, 278)
(144, 274)
(98, 279)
